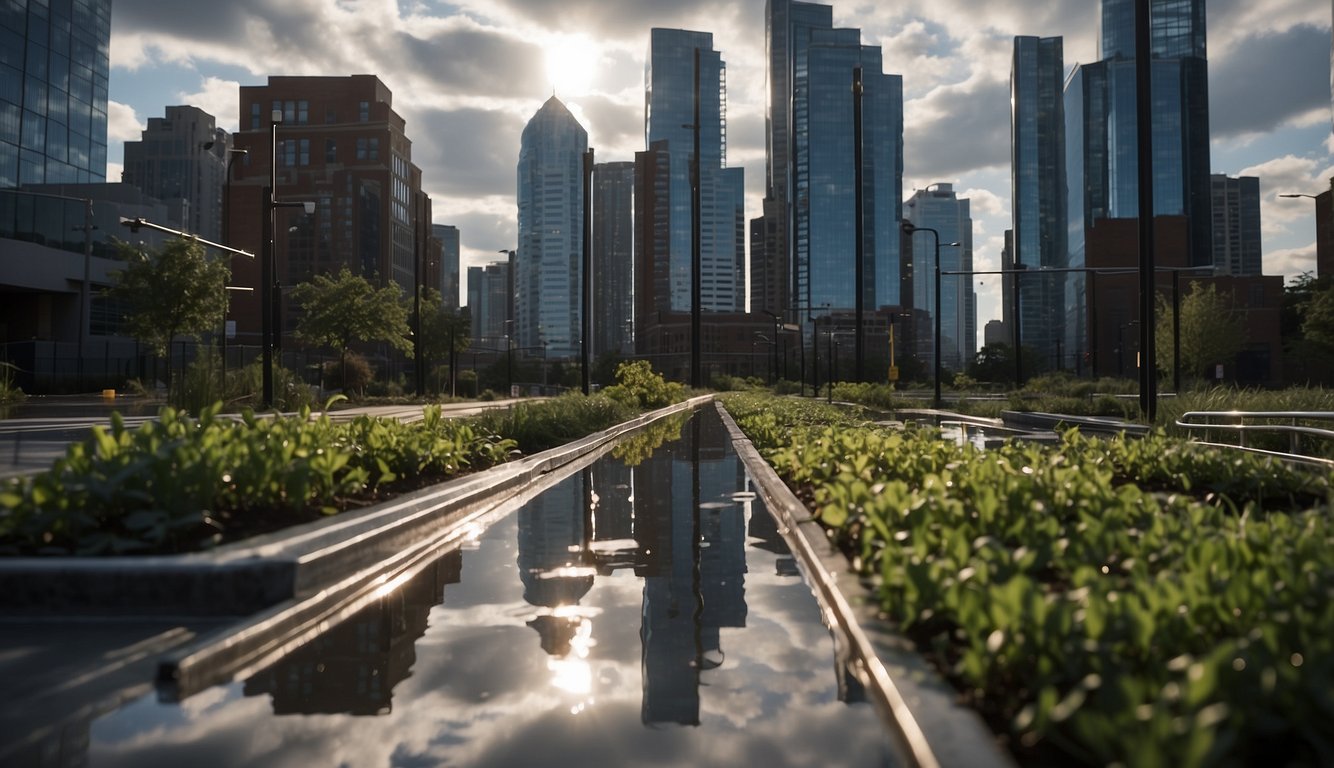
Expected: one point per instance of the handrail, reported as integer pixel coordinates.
(1236, 422)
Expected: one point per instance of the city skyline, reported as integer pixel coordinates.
(469, 74)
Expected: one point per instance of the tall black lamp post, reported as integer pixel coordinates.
(911, 229)
(268, 279)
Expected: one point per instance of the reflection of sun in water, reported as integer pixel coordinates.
(571, 63)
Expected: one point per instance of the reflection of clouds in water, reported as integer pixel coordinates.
(485, 689)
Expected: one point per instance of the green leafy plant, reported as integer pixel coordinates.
(178, 484)
(1123, 601)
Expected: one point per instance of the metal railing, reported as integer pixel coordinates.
(1264, 431)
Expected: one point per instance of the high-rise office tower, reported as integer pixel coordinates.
(448, 286)
(181, 159)
(489, 303)
(1101, 124)
(669, 117)
(1038, 189)
(548, 265)
(787, 26)
(54, 65)
(812, 161)
(937, 207)
(1236, 225)
(613, 258)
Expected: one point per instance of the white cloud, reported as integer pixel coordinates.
(1290, 262)
(122, 123)
(219, 98)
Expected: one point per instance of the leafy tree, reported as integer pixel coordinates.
(1212, 331)
(440, 326)
(343, 309)
(173, 291)
(1308, 330)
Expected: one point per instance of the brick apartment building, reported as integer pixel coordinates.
(340, 145)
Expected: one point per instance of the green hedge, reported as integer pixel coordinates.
(1142, 602)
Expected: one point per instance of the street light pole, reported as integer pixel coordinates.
(267, 267)
(912, 229)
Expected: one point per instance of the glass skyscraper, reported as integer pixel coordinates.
(1101, 139)
(787, 30)
(938, 208)
(548, 265)
(669, 115)
(1038, 187)
(54, 65)
(1102, 96)
(613, 258)
(812, 161)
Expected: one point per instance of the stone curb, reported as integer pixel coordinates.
(920, 707)
(250, 576)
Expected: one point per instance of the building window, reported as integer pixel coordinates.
(364, 111)
(287, 150)
(304, 152)
(330, 116)
(254, 116)
(330, 151)
(361, 149)
(303, 112)
(375, 149)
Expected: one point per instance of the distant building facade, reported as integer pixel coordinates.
(489, 303)
(938, 207)
(340, 145)
(1236, 225)
(613, 258)
(1038, 194)
(181, 159)
(448, 278)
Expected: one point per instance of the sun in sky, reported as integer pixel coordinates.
(571, 63)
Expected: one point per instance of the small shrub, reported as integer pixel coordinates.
(359, 373)
(638, 386)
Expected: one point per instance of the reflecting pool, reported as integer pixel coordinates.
(643, 611)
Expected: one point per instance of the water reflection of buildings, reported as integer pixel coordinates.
(354, 667)
(672, 521)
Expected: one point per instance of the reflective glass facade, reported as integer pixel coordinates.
(787, 31)
(812, 160)
(825, 174)
(548, 265)
(1180, 118)
(1037, 147)
(54, 64)
(669, 116)
(1102, 139)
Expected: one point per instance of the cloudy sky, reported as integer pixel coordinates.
(468, 75)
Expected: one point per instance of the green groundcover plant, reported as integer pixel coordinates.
(180, 483)
(1124, 601)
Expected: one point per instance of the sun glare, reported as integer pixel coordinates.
(571, 64)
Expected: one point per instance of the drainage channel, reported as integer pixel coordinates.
(643, 609)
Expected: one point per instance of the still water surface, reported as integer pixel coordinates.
(630, 615)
